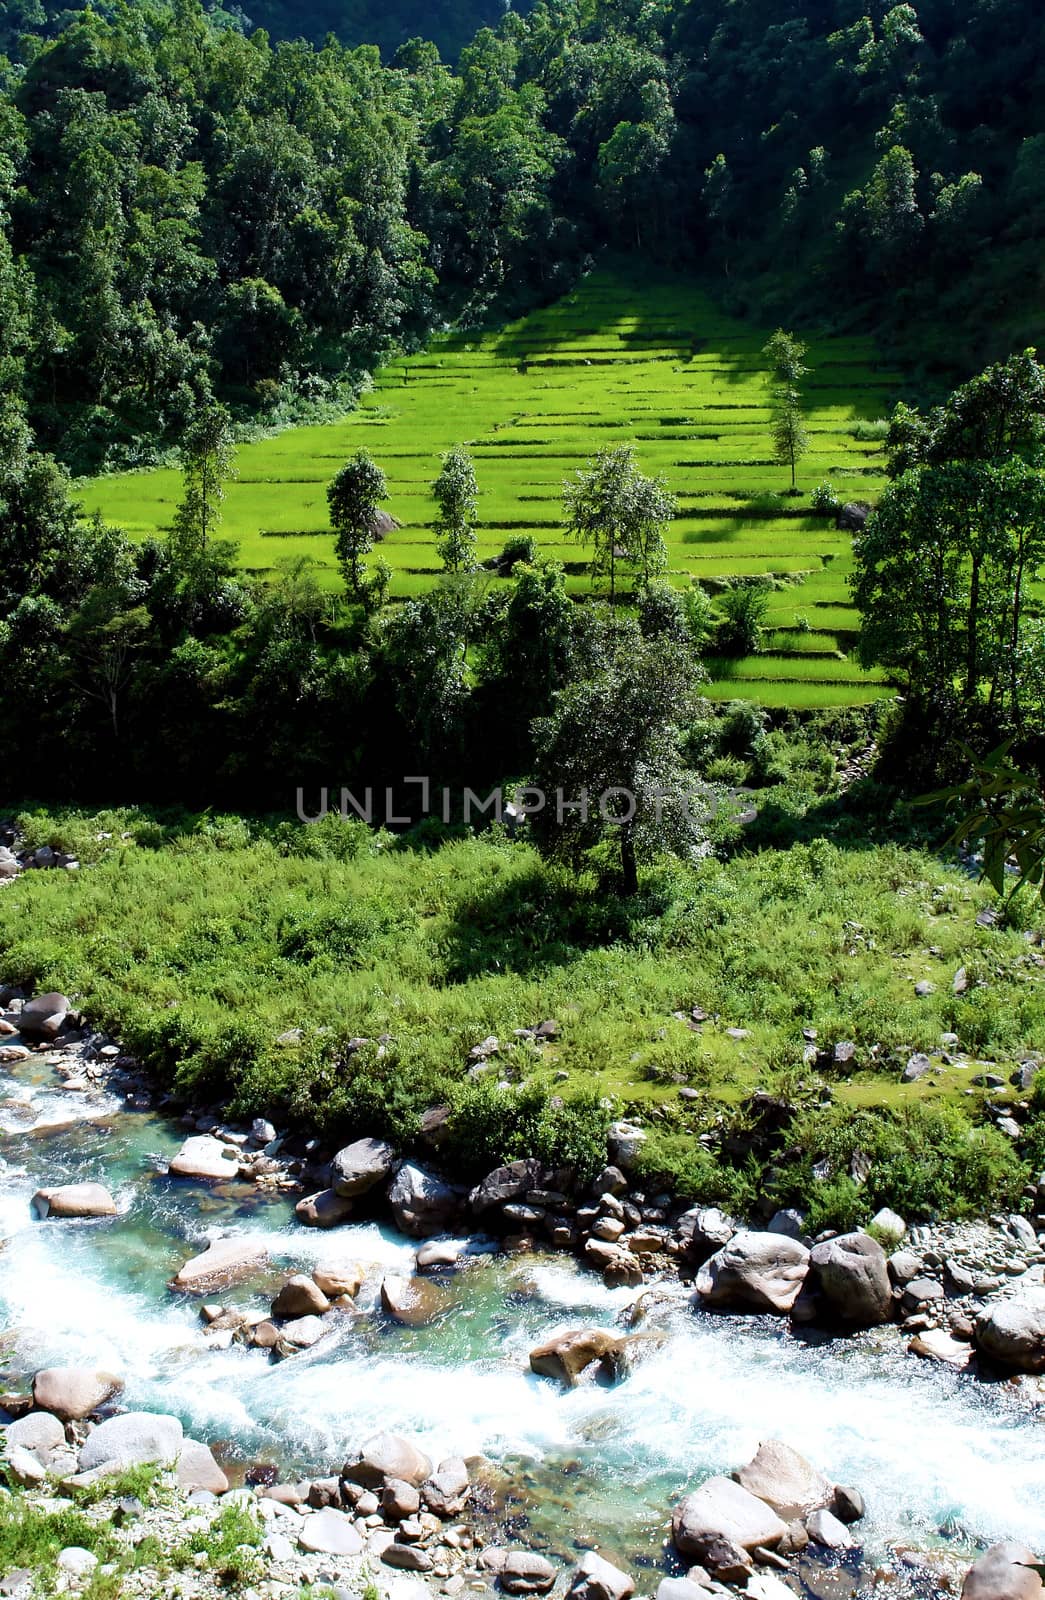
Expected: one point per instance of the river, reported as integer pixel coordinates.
(940, 1458)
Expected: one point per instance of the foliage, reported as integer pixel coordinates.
(354, 496)
(621, 513)
(1003, 816)
(456, 494)
(743, 610)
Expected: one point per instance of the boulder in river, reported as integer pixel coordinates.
(136, 1438)
(360, 1166)
(505, 1184)
(851, 1277)
(785, 1480)
(197, 1469)
(526, 1572)
(40, 1433)
(421, 1202)
(413, 1302)
(703, 1230)
(598, 1579)
(722, 1509)
(203, 1156)
(323, 1210)
(74, 1200)
(825, 1528)
(755, 1272)
(224, 1261)
(566, 1355)
(72, 1393)
(1012, 1332)
(340, 1279)
(388, 1455)
(43, 1017)
(446, 1491)
(300, 1296)
(1004, 1572)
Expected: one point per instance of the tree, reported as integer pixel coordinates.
(790, 440)
(353, 497)
(608, 757)
(207, 454)
(621, 513)
(457, 495)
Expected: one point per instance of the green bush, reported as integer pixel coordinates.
(678, 1162)
(489, 1125)
(824, 500)
(743, 612)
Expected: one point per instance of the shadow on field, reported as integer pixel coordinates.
(534, 922)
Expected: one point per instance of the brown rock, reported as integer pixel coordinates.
(1004, 1572)
(566, 1355)
(300, 1297)
(74, 1200)
(323, 1210)
(72, 1393)
(413, 1301)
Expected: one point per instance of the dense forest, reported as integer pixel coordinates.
(189, 205)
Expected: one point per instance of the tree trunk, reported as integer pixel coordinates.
(628, 864)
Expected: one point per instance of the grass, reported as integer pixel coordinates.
(201, 943)
(626, 358)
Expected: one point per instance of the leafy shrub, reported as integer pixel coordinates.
(680, 1163)
(824, 500)
(743, 614)
(489, 1125)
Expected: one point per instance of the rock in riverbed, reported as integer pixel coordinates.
(360, 1166)
(224, 1261)
(205, 1157)
(526, 1572)
(385, 1456)
(722, 1509)
(1004, 1572)
(300, 1296)
(566, 1355)
(133, 1439)
(74, 1200)
(72, 1393)
(754, 1272)
(1012, 1332)
(323, 1210)
(413, 1302)
(785, 1481)
(598, 1579)
(851, 1278)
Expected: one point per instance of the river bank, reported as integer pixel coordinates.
(562, 1468)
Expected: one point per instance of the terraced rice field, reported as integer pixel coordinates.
(626, 358)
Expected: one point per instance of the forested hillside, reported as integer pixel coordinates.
(190, 206)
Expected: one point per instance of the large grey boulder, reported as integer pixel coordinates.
(851, 1274)
(39, 1432)
(1004, 1572)
(505, 1184)
(446, 1491)
(72, 1393)
(330, 1533)
(323, 1210)
(42, 1018)
(825, 1528)
(223, 1262)
(360, 1166)
(131, 1440)
(386, 1456)
(205, 1157)
(566, 1355)
(755, 1272)
(1012, 1332)
(74, 1200)
(197, 1469)
(785, 1480)
(598, 1579)
(300, 1296)
(526, 1572)
(703, 1230)
(625, 1142)
(412, 1302)
(422, 1203)
(722, 1509)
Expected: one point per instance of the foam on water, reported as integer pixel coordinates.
(932, 1453)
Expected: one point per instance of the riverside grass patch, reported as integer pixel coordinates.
(202, 942)
(627, 358)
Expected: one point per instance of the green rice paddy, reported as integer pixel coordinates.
(627, 358)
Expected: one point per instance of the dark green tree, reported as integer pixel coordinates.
(354, 498)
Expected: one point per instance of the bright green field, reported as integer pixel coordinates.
(626, 358)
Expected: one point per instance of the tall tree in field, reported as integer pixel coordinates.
(207, 455)
(621, 513)
(457, 495)
(608, 757)
(353, 497)
(790, 440)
